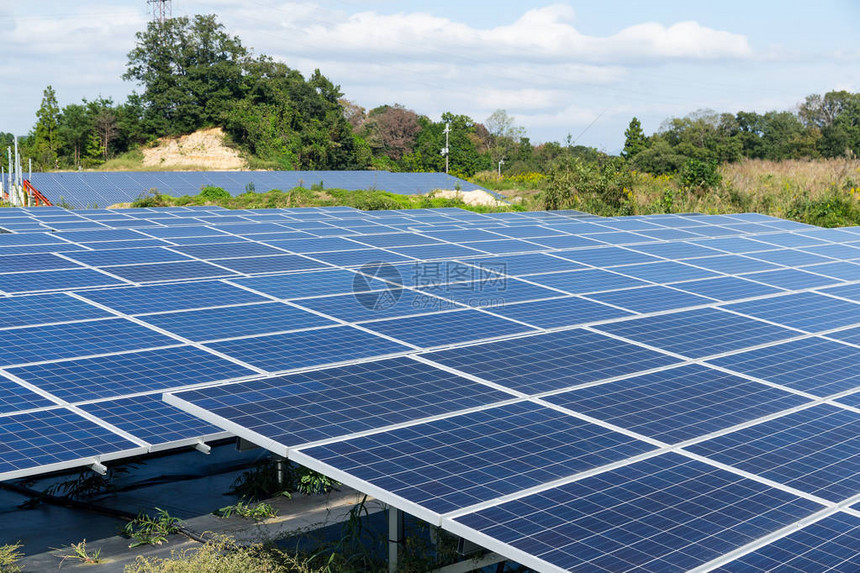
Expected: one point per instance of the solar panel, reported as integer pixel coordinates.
(281, 352)
(45, 309)
(34, 262)
(236, 321)
(826, 545)
(698, 333)
(54, 439)
(551, 361)
(327, 403)
(459, 461)
(163, 298)
(586, 281)
(815, 365)
(813, 450)
(156, 272)
(53, 342)
(667, 513)
(446, 328)
(805, 311)
(558, 312)
(678, 404)
(727, 288)
(130, 373)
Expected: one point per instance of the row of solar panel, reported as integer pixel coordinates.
(88, 189)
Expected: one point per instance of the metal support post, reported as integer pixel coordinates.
(395, 536)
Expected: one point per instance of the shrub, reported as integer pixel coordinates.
(214, 194)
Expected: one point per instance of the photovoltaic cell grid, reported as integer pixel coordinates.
(479, 427)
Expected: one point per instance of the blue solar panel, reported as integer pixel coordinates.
(665, 272)
(360, 257)
(34, 439)
(126, 256)
(445, 328)
(227, 250)
(55, 280)
(516, 265)
(45, 309)
(316, 245)
(566, 311)
(34, 262)
(792, 279)
(840, 270)
(676, 251)
(150, 419)
(814, 365)
(15, 397)
(280, 352)
(491, 291)
(727, 288)
(463, 460)
(827, 545)
(169, 271)
(322, 404)
(806, 310)
(731, 264)
(441, 251)
(565, 242)
(310, 284)
(816, 450)
(795, 240)
(163, 298)
(266, 264)
(102, 235)
(53, 342)
(678, 404)
(789, 257)
(504, 246)
(10, 239)
(835, 251)
(228, 322)
(606, 257)
(395, 240)
(369, 305)
(650, 299)
(667, 513)
(134, 372)
(698, 333)
(551, 361)
(586, 281)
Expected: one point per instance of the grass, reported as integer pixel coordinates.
(82, 554)
(256, 512)
(147, 530)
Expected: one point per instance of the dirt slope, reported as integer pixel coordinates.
(202, 149)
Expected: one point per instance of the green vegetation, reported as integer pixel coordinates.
(257, 512)
(10, 554)
(368, 200)
(82, 554)
(270, 478)
(147, 530)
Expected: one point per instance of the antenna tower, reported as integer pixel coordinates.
(162, 10)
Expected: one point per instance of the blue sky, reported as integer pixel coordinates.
(559, 68)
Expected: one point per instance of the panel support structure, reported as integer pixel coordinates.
(395, 536)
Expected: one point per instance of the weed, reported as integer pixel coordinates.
(147, 530)
(80, 553)
(257, 512)
(272, 477)
(9, 556)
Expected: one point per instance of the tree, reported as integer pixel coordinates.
(46, 140)
(504, 135)
(191, 72)
(75, 128)
(634, 139)
(391, 130)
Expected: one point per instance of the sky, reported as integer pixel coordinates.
(578, 68)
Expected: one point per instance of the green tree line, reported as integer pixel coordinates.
(192, 74)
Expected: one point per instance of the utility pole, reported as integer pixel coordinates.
(162, 10)
(445, 149)
(502, 160)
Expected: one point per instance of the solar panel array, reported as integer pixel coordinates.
(670, 392)
(84, 190)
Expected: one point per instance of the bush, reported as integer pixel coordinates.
(698, 174)
(214, 194)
